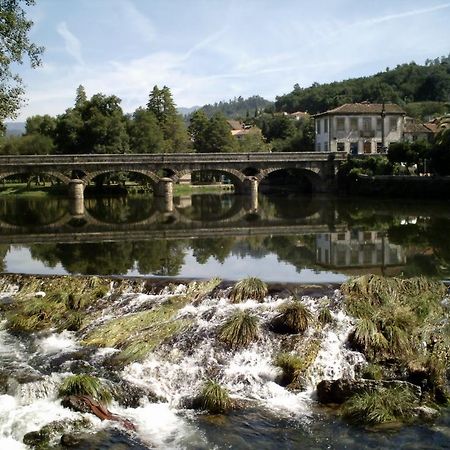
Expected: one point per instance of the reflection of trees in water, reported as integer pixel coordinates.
(121, 209)
(109, 258)
(31, 212)
(219, 249)
(427, 243)
(3, 251)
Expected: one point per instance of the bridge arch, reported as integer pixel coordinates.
(236, 176)
(58, 175)
(89, 177)
(313, 177)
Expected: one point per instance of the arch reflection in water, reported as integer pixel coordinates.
(286, 238)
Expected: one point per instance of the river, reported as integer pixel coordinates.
(314, 240)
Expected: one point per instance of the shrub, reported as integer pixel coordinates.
(248, 288)
(85, 385)
(239, 330)
(372, 372)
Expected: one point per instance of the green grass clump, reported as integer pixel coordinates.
(137, 334)
(295, 366)
(214, 398)
(294, 318)
(325, 317)
(372, 372)
(380, 406)
(248, 288)
(239, 330)
(85, 385)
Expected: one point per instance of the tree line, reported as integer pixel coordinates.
(421, 89)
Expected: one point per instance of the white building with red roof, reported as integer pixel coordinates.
(359, 128)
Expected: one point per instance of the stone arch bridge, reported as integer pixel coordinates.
(245, 170)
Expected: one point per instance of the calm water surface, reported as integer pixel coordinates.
(285, 238)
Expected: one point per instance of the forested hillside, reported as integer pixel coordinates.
(238, 108)
(421, 89)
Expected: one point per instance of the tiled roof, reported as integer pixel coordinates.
(414, 126)
(364, 108)
(235, 124)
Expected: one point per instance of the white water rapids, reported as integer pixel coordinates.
(175, 372)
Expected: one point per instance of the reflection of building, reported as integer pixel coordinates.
(359, 128)
(358, 249)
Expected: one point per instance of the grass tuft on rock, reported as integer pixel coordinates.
(214, 398)
(294, 318)
(295, 366)
(85, 385)
(248, 288)
(239, 330)
(380, 406)
(325, 317)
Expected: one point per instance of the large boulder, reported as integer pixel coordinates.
(338, 391)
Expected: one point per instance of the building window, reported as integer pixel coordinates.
(353, 124)
(318, 146)
(325, 125)
(325, 146)
(318, 126)
(341, 237)
(367, 124)
(393, 124)
(379, 147)
(340, 146)
(379, 124)
(367, 147)
(340, 124)
(354, 148)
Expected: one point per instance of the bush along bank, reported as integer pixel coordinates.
(379, 347)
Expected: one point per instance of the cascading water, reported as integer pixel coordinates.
(175, 371)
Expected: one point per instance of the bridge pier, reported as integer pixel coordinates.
(164, 190)
(76, 197)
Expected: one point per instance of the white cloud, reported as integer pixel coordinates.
(137, 21)
(72, 43)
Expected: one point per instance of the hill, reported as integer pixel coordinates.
(238, 108)
(15, 128)
(425, 88)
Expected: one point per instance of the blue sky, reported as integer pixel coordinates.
(211, 50)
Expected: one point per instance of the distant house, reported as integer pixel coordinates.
(298, 115)
(239, 129)
(359, 128)
(414, 130)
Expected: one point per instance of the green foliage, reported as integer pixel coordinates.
(161, 104)
(406, 83)
(239, 330)
(31, 144)
(85, 385)
(93, 126)
(211, 135)
(237, 108)
(43, 125)
(145, 133)
(380, 406)
(372, 372)
(214, 398)
(291, 365)
(15, 45)
(248, 288)
(294, 318)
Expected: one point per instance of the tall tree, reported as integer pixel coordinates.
(161, 104)
(15, 46)
(145, 133)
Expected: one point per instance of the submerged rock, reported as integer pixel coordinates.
(338, 391)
